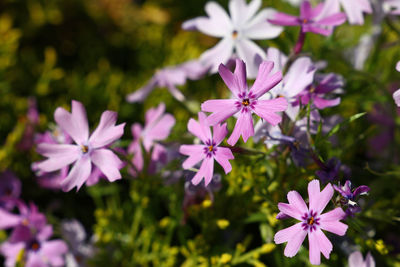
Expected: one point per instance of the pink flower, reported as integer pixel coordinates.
(311, 19)
(246, 102)
(86, 150)
(356, 260)
(157, 128)
(208, 151)
(312, 222)
(396, 95)
(170, 77)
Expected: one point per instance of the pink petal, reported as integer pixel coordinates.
(222, 109)
(108, 163)
(369, 260)
(222, 156)
(396, 97)
(314, 248)
(206, 171)
(324, 244)
(356, 259)
(244, 126)
(264, 81)
(220, 131)
(333, 20)
(240, 75)
(195, 153)
(306, 10)
(175, 92)
(353, 11)
(200, 129)
(154, 114)
(284, 20)
(299, 76)
(294, 236)
(137, 160)
(78, 174)
(8, 220)
(333, 215)
(53, 250)
(106, 132)
(317, 30)
(59, 156)
(335, 227)
(290, 210)
(247, 51)
(322, 103)
(141, 94)
(158, 131)
(313, 195)
(230, 79)
(74, 123)
(297, 201)
(324, 197)
(267, 109)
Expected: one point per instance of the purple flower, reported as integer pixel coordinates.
(246, 101)
(37, 252)
(329, 171)
(236, 32)
(312, 222)
(170, 77)
(349, 196)
(10, 189)
(86, 150)
(208, 151)
(327, 84)
(158, 126)
(354, 9)
(396, 95)
(310, 19)
(356, 260)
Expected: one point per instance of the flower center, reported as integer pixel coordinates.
(246, 102)
(305, 21)
(84, 149)
(234, 34)
(35, 246)
(210, 148)
(310, 221)
(25, 222)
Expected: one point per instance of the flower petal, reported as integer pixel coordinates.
(106, 132)
(396, 97)
(141, 94)
(108, 163)
(244, 127)
(267, 109)
(195, 153)
(8, 219)
(290, 210)
(218, 54)
(294, 236)
(356, 259)
(200, 129)
(299, 76)
(247, 51)
(220, 131)
(240, 75)
(158, 130)
(54, 250)
(324, 197)
(314, 248)
(222, 156)
(222, 109)
(324, 245)
(335, 227)
(284, 19)
(229, 78)
(333, 215)
(59, 156)
(313, 195)
(218, 24)
(369, 260)
(78, 174)
(259, 28)
(206, 171)
(264, 81)
(297, 201)
(74, 123)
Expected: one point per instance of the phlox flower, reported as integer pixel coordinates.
(246, 102)
(86, 150)
(312, 222)
(354, 9)
(170, 77)
(350, 196)
(157, 127)
(310, 19)
(396, 95)
(356, 260)
(236, 32)
(38, 251)
(208, 151)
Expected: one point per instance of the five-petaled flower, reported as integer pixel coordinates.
(86, 150)
(246, 101)
(208, 151)
(312, 222)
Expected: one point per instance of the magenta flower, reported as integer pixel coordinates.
(39, 251)
(158, 126)
(356, 260)
(354, 9)
(310, 19)
(236, 30)
(170, 77)
(246, 101)
(208, 151)
(396, 95)
(312, 222)
(86, 150)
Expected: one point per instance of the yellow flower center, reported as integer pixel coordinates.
(84, 149)
(246, 102)
(310, 221)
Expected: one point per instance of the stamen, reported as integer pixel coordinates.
(35, 246)
(25, 222)
(310, 221)
(210, 148)
(234, 34)
(245, 102)
(305, 20)
(84, 149)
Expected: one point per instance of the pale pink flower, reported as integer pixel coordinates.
(356, 260)
(86, 150)
(157, 127)
(246, 101)
(312, 222)
(208, 151)
(354, 9)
